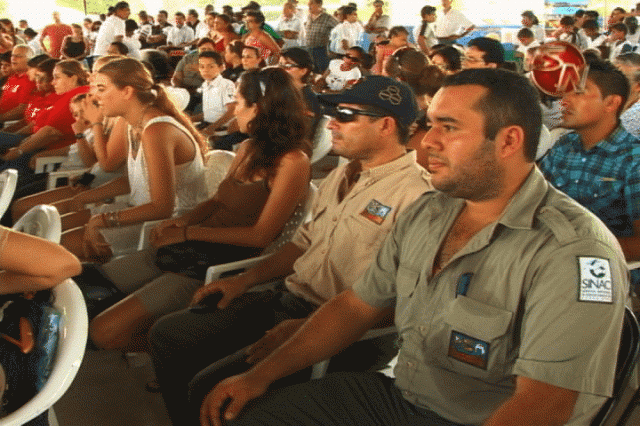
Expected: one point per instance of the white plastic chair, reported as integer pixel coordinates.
(42, 221)
(71, 346)
(8, 182)
(179, 95)
(321, 140)
(217, 165)
(300, 215)
(49, 164)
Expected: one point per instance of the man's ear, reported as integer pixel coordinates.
(509, 141)
(613, 103)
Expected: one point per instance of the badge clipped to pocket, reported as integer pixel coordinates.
(468, 350)
(376, 212)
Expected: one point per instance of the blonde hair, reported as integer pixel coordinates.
(131, 72)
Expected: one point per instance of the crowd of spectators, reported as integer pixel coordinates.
(413, 111)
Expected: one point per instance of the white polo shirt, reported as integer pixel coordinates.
(177, 36)
(216, 95)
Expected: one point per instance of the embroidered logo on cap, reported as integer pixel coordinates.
(594, 283)
(376, 211)
(391, 94)
(468, 350)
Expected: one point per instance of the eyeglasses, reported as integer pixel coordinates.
(351, 58)
(347, 115)
(289, 66)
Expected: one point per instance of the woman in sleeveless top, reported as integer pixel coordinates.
(257, 37)
(165, 160)
(75, 46)
(267, 180)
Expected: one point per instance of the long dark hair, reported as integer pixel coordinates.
(279, 126)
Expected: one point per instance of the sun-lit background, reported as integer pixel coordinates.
(494, 13)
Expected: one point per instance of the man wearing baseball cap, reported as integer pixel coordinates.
(508, 296)
(353, 211)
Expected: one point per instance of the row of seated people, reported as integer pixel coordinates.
(344, 114)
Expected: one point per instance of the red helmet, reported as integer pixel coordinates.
(558, 68)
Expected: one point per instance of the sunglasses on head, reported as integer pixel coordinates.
(289, 66)
(347, 115)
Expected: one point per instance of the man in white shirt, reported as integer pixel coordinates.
(113, 28)
(180, 35)
(289, 26)
(452, 24)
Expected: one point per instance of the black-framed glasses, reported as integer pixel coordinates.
(346, 115)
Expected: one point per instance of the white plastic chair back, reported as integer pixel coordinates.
(71, 346)
(49, 164)
(42, 221)
(217, 164)
(321, 140)
(298, 217)
(179, 95)
(8, 182)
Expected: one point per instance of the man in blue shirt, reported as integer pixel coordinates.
(598, 164)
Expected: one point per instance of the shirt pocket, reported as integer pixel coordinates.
(406, 284)
(475, 340)
(603, 191)
(365, 231)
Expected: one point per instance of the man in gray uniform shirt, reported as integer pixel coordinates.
(508, 295)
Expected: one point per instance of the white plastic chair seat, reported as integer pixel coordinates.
(71, 346)
(53, 177)
(42, 221)
(8, 182)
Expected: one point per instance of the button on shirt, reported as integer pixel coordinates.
(519, 313)
(604, 179)
(340, 241)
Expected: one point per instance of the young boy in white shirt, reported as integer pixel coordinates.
(218, 102)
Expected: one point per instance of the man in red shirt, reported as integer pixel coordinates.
(56, 32)
(16, 91)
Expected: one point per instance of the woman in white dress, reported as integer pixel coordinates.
(165, 161)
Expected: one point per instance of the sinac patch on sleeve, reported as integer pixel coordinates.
(595, 283)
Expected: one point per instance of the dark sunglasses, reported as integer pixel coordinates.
(351, 58)
(347, 115)
(289, 66)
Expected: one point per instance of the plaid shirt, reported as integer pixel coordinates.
(317, 30)
(604, 179)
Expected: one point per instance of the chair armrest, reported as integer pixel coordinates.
(145, 232)
(214, 272)
(54, 176)
(48, 164)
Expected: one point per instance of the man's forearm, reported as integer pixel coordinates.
(334, 326)
(13, 114)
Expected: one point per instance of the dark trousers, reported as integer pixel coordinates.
(320, 59)
(371, 355)
(339, 399)
(185, 342)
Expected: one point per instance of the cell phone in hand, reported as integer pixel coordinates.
(208, 304)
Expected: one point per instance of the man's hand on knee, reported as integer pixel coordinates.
(229, 397)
